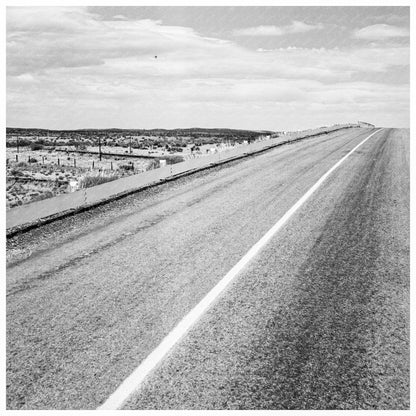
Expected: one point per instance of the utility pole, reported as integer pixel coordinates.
(99, 147)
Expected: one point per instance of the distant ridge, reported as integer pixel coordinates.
(181, 131)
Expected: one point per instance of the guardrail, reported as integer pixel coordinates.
(19, 217)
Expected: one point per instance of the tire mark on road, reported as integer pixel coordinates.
(323, 356)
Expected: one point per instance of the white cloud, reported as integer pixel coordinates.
(380, 32)
(90, 72)
(127, 50)
(25, 78)
(295, 27)
(72, 37)
(25, 20)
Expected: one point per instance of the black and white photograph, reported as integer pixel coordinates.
(207, 206)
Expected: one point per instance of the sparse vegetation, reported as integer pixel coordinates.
(96, 178)
(127, 167)
(40, 163)
(171, 160)
(36, 146)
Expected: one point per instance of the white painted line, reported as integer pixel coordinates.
(132, 383)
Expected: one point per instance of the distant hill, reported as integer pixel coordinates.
(135, 132)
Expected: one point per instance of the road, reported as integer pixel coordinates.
(318, 320)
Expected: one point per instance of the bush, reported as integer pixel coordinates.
(154, 164)
(93, 179)
(44, 195)
(22, 143)
(127, 167)
(21, 165)
(36, 146)
(171, 160)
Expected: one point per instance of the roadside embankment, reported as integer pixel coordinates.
(37, 213)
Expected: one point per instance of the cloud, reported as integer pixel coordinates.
(47, 20)
(72, 37)
(25, 78)
(126, 49)
(70, 67)
(295, 27)
(381, 32)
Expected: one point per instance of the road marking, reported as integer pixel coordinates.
(132, 383)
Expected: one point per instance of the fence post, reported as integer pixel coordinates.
(59, 163)
(17, 158)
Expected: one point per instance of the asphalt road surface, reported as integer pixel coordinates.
(318, 320)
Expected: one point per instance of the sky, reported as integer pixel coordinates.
(259, 68)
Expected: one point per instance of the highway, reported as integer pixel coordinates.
(318, 319)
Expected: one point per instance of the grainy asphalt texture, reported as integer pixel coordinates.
(319, 320)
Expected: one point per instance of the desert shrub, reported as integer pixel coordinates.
(21, 165)
(44, 195)
(36, 146)
(127, 167)
(171, 160)
(93, 179)
(21, 142)
(154, 164)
